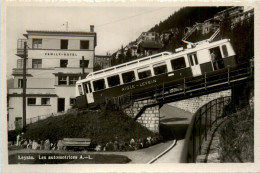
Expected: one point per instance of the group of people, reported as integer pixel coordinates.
(38, 144)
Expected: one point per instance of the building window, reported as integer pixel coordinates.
(18, 123)
(64, 44)
(20, 83)
(84, 44)
(36, 63)
(62, 80)
(72, 101)
(63, 63)
(45, 101)
(31, 101)
(113, 81)
(20, 63)
(86, 62)
(73, 80)
(37, 43)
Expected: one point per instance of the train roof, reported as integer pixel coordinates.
(146, 61)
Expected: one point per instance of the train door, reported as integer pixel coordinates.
(194, 64)
(89, 93)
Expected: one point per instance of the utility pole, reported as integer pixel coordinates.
(24, 86)
(83, 67)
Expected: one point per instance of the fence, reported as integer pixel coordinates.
(40, 117)
(201, 123)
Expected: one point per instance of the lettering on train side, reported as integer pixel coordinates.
(142, 84)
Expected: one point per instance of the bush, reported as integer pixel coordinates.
(110, 124)
(237, 137)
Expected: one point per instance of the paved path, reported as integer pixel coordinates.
(177, 121)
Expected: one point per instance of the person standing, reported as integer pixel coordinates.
(214, 61)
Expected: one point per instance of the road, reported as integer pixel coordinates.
(174, 121)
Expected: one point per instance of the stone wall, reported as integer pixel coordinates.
(150, 118)
(193, 104)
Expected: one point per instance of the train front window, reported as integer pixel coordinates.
(178, 63)
(80, 90)
(99, 84)
(128, 77)
(224, 50)
(160, 68)
(144, 73)
(113, 80)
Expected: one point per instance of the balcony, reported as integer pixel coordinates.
(19, 71)
(47, 91)
(20, 47)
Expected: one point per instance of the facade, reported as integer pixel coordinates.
(104, 61)
(147, 36)
(236, 14)
(55, 61)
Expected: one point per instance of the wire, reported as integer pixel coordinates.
(118, 20)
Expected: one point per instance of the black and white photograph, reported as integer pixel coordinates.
(153, 85)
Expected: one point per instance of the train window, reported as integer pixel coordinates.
(178, 63)
(89, 86)
(80, 90)
(85, 87)
(113, 80)
(160, 68)
(144, 73)
(224, 50)
(191, 60)
(99, 84)
(128, 76)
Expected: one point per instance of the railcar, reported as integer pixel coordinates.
(146, 73)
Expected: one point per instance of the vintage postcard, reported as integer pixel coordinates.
(129, 86)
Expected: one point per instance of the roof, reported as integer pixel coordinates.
(49, 32)
(150, 44)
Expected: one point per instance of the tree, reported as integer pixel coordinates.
(225, 26)
(128, 56)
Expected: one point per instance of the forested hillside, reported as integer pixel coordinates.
(185, 17)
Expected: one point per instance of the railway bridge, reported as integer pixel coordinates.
(145, 107)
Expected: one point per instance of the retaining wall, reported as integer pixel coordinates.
(193, 104)
(150, 118)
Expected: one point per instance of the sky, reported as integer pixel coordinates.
(115, 26)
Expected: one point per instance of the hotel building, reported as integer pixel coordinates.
(55, 61)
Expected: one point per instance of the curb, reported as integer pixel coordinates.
(164, 152)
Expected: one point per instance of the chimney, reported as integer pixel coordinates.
(91, 28)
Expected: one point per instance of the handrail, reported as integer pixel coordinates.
(201, 122)
(194, 83)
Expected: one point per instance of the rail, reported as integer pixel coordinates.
(201, 122)
(188, 85)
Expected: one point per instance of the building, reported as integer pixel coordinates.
(55, 61)
(103, 61)
(236, 14)
(146, 48)
(147, 36)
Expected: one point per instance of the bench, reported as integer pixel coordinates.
(76, 143)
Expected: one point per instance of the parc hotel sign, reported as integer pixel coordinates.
(59, 54)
